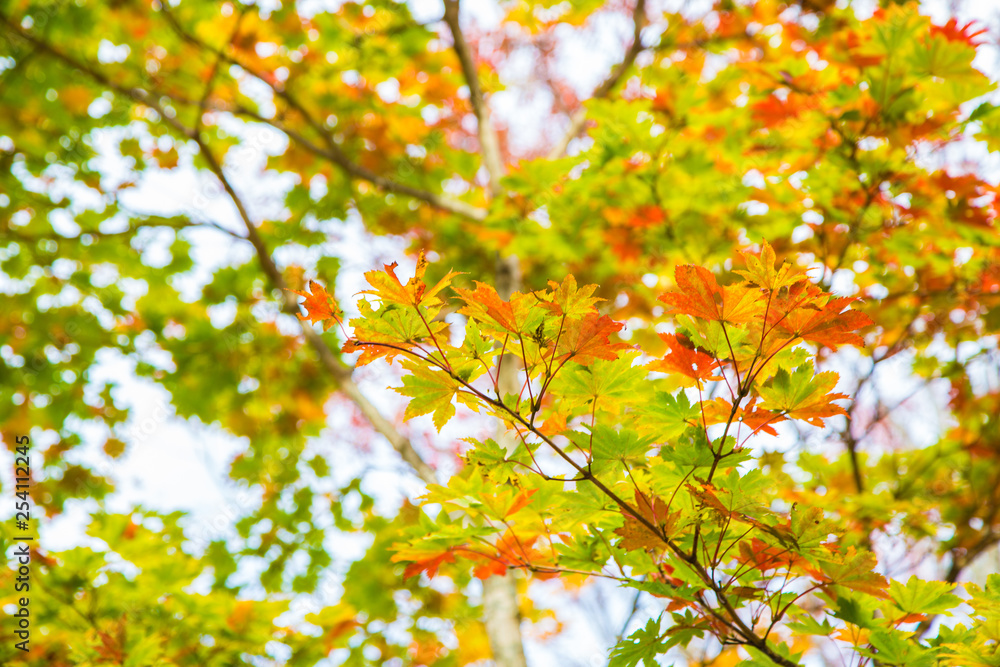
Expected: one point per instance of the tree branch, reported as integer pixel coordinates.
(731, 618)
(334, 366)
(579, 118)
(488, 141)
(332, 152)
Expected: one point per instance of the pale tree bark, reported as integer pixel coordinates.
(489, 143)
(503, 620)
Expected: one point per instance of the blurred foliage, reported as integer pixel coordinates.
(832, 136)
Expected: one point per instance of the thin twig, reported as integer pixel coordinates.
(578, 119)
(333, 152)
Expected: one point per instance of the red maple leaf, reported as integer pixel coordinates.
(684, 358)
(954, 33)
(830, 324)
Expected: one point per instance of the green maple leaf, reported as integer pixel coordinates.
(498, 466)
(855, 570)
(856, 609)
(610, 446)
(690, 450)
(918, 596)
(802, 394)
(607, 381)
(430, 392)
(809, 528)
(893, 647)
(642, 646)
(667, 417)
(808, 625)
(974, 652)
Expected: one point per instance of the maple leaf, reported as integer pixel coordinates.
(585, 340)
(610, 446)
(387, 286)
(429, 391)
(428, 564)
(489, 568)
(716, 411)
(554, 424)
(636, 535)
(389, 331)
(814, 320)
(685, 359)
(764, 556)
(667, 416)
(758, 419)
(760, 270)
(854, 570)
(706, 494)
(734, 498)
(483, 303)
(641, 647)
(320, 306)
(924, 597)
(701, 296)
(802, 394)
(953, 32)
(567, 299)
(608, 382)
(498, 466)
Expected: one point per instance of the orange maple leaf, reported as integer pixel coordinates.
(684, 358)
(587, 339)
(765, 557)
(761, 271)
(484, 301)
(701, 296)
(636, 535)
(429, 565)
(759, 420)
(388, 287)
(807, 314)
(319, 305)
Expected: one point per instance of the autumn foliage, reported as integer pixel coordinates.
(590, 411)
(711, 332)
